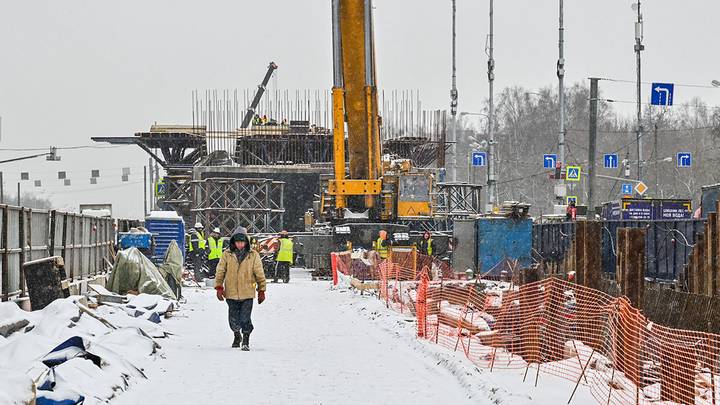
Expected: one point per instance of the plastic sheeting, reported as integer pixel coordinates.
(172, 266)
(173, 263)
(133, 271)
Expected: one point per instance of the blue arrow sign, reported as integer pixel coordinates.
(684, 159)
(662, 94)
(611, 161)
(479, 158)
(627, 189)
(549, 161)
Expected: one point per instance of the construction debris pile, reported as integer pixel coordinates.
(76, 349)
(87, 349)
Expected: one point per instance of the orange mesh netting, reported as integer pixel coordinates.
(558, 328)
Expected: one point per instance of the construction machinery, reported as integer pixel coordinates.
(378, 189)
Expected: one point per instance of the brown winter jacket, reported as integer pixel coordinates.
(238, 279)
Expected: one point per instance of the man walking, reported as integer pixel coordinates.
(283, 257)
(239, 270)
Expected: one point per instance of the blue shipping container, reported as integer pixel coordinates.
(501, 240)
(165, 228)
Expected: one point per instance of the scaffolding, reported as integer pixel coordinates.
(458, 200)
(256, 204)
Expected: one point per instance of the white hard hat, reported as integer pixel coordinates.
(216, 230)
(198, 225)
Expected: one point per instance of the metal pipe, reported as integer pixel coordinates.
(368, 44)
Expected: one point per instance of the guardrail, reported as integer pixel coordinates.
(28, 234)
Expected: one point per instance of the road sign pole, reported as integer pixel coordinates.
(591, 146)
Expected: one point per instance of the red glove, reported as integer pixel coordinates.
(261, 297)
(220, 293)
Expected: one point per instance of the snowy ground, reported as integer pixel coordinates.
(315, 346)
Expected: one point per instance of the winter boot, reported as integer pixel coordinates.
(245, 342)
(238, 338)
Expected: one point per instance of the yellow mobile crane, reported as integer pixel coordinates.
(388, 190)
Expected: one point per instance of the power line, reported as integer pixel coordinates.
(631, 132)
(702, 86)
(62, 148)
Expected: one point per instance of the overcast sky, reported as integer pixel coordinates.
(75, 69)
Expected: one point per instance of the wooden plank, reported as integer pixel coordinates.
(579, 257)
(710, 253)
(620, 261)
(699, 263)
(593, 254)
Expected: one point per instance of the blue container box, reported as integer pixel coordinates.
(501, 242)
(139, 240)
(166, 226)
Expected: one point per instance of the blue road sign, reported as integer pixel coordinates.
(479, 158)
(627, 189)
(573, 173)
(684, 159)
(662, 94)
(611, 161)
(549, 161)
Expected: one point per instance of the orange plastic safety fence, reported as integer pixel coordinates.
(558, 328)
(583, 335)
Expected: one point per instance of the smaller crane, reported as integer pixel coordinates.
(250, 113)
(51, 156)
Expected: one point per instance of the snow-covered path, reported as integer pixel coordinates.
(309, 347)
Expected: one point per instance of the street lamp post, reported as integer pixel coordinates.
(453, 105)
(639, 47)
(561, 91)
(492, 177)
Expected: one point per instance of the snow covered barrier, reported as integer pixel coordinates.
(565, 330)
(69, 352)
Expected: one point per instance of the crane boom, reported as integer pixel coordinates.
(355, 102)
(386, 190)
(258, 95)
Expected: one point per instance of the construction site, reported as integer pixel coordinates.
(387, 249)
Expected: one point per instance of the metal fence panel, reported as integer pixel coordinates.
(27, 234)
(13, 251)
(667, 248)
(39, 233)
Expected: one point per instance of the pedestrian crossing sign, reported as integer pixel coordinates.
(573, 173)
(571, 199)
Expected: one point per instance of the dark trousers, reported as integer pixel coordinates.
(239, 312)
(212, 265)
(282, 270)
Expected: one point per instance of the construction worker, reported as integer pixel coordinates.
(284, 257)
(215, 248)
(196, 250)
(426, 244)
(571, 211)
(381, 244)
